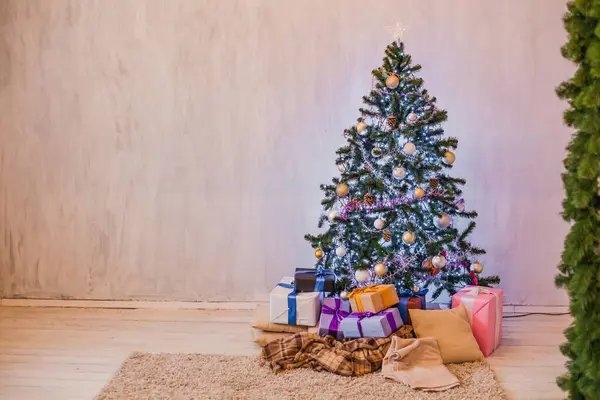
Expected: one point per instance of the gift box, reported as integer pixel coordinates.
(332, 313)
(373, 298)
(411, 300)
(484, 307)
(314, 280)
(286, 306)
(367, 324)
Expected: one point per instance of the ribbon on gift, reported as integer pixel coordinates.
(469, 294)
(362, 315)
(358, 291)
(405, 296)
(321, 273)
(291, 300)
(359, 318)
(338, 315)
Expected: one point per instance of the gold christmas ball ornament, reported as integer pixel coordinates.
(380, 269)
(332, 216)
(362, 275)
(439, 261)
(342, 167)
(387, 236)
(340, 251)
(379, 223)
(450, 157)
(415, 289)
(408, 237)
(344, 295)
(376, 152)
(369, 199)
(399, 173)
(477, 267)
(442, 221)
(412, 118)
(319, 252)
(392, 81)
(342, 190)
(409, 148)
(361, 128)
(419, 192)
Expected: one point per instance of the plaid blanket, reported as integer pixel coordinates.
(353, 357)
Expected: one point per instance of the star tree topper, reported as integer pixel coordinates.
(397, 30)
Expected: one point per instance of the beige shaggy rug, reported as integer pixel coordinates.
(198, 376)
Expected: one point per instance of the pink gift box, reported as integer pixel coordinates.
(484, 306)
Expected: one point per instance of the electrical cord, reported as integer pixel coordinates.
(535, 313)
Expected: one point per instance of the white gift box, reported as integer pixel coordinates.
(308, 305)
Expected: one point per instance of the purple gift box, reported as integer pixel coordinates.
(332, 313)
(368, 324)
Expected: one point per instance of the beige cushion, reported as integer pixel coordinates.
(262, 323)
(451, 329)
(262, 338)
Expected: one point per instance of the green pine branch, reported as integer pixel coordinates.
(579, 271)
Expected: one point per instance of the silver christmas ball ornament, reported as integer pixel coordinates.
(379, 223)
(409, 148)
(412, 118)
(399, 172)
(332, 215)
(340, 251)
(362, 275)
(439, 261)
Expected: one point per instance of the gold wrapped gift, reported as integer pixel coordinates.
(373, 298)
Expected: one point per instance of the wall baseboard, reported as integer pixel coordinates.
(204, 305)
(535, 309)
(131, 304)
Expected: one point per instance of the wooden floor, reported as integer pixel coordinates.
(59, 353)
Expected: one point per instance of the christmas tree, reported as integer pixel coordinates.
(580, 267)
(391, 213)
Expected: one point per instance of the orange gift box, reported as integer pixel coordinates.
(373, 298)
